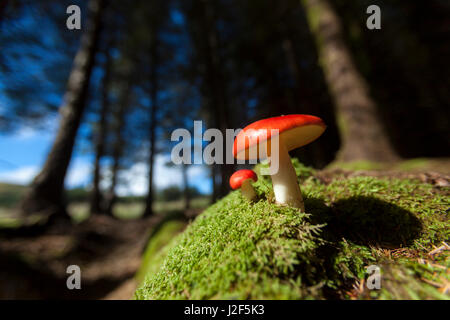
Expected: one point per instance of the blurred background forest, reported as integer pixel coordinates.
(112, 92)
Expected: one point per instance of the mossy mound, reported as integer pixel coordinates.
(241, 250)
(159, 239)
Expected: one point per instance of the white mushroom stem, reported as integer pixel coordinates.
(247, 190)
(285, 184)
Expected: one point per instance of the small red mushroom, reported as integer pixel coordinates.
(243, 179)
(294, 131)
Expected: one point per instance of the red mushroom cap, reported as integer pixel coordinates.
(240, 176)
(295, 130)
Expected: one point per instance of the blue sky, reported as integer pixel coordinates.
(23, 153)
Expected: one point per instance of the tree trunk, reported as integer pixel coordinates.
(3, 5)
(152, 133)
(215, 189)
(362, 134)
(294, 68)
(217, 92)
(47, 190)
(111, 197)
(97, 201)
(187, 196)
(118, 146)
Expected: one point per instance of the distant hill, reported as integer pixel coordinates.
(10, 194)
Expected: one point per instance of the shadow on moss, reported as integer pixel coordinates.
(352, 225)
(366, 221)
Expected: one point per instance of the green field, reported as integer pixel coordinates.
(126, 208)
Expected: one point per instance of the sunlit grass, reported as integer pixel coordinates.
(417, 164)
(133, 210)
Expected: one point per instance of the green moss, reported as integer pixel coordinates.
(231, 248)
(157, 241)
(409, 280)
(242, 250)
(413, 164)
(356, 165)
(313, 13)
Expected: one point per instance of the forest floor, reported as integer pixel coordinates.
(108, 251)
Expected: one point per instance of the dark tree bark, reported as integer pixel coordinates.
(3, 5)
(186, 193)
(152, 130)
(217, 93)
(292, 59)
(96, 200)
(362, 134)
(119, 143)
(111, 196)
(215, 189)
(47, 189)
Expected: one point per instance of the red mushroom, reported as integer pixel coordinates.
(294, 131)
(243, 179)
